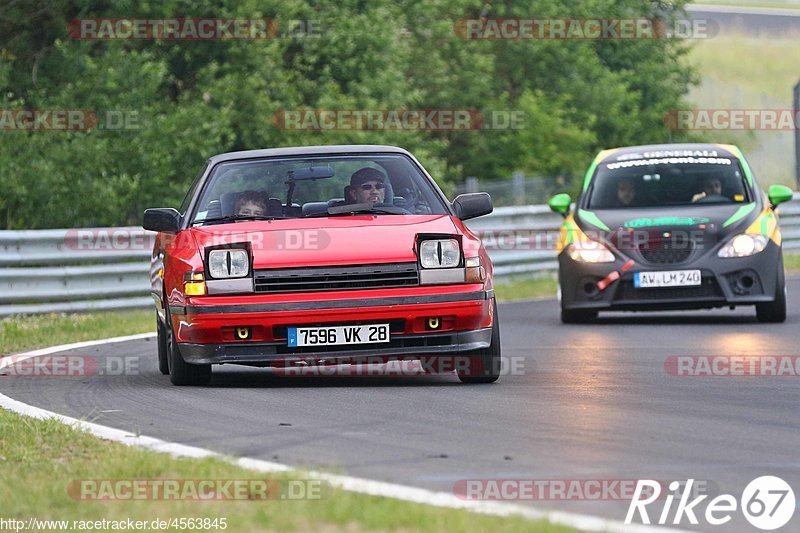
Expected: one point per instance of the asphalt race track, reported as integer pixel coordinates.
(584, 402)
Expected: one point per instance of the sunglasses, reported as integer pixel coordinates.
(369, 186)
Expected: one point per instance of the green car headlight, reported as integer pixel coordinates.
(588, 251)
(743, 245)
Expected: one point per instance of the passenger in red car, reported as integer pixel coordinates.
(367, 185)
(251, 203)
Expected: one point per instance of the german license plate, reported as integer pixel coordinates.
(335, 335)
(667, 278)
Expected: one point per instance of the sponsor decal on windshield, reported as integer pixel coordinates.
(667, 153)
(669, 161)
(666, 221)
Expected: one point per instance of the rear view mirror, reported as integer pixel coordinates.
(778, 194)
(312, 173)
(163, 220)
(472, 205)
(560, 203)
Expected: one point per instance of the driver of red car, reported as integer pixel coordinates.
(367, 185)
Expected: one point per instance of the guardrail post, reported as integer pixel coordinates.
(796, 112)
(472, 184)
(518, 186)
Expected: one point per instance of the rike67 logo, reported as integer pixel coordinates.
(767, 502)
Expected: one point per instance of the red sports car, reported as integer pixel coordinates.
(322, 256)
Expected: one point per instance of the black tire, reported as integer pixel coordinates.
(775, 311)
(181, 372)
(163, 363)
(483, 366)
(577, 316)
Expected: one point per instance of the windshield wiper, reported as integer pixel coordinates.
(356, 209)
(237, 218)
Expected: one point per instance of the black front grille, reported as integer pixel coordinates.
(336, 278)
(708, 289)
(666, 251)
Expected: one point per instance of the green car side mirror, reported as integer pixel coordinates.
(560, 203)
(778, 194)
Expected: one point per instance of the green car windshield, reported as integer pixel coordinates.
(664, 182)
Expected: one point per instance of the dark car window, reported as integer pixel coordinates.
(271, 182)
(662, 182)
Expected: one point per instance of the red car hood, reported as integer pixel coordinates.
(349, 240)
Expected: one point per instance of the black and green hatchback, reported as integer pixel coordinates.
(666, 227)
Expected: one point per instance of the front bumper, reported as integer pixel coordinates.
(206, 328)
(725, 282)
(405, 346)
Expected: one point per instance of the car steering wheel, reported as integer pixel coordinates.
(712, 198)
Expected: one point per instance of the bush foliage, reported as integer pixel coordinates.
(187, 100)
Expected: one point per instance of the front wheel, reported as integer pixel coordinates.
(774, 311)
(181, 372)
(483, 366)
(163, 363)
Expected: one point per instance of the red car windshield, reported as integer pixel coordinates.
(303, 187)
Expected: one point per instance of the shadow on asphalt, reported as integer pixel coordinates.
(242, 377)
(687, 319)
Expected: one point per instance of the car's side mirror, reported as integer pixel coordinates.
(778, 194)
(560, 203)
(164, 220)
(472, 205)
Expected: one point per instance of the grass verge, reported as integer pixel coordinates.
(784, 4)
(791, 263)
(526, 288)
(755, 68)
(742, 71)
(46, 459)
(28, 332)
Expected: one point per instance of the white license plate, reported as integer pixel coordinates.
(667, 278)
(333, 335)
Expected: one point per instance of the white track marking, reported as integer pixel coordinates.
(352, 484)
(7, 360)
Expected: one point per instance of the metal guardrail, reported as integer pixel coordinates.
(108, 268)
